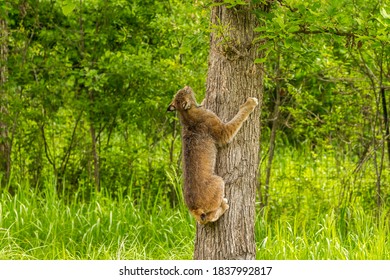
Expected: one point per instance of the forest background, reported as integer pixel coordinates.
(90, 161)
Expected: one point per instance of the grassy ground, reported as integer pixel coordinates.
(303, 221)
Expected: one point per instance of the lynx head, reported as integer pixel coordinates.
(183, 100)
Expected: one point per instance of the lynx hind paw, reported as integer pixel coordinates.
(225, 204)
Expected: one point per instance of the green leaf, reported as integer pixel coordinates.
(293, 29)
(68, 7)
(260, 60)
(384, 13)
(266, 45)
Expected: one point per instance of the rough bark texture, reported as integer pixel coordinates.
(233, 77)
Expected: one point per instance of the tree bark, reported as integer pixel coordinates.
(232, 77)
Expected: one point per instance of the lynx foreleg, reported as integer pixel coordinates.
(230, 129)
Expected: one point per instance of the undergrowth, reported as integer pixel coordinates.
(306, 218)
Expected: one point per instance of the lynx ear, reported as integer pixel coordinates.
(186, 105)
(171, 108)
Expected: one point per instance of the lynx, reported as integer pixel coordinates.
(202, 131)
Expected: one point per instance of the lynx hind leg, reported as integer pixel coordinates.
(199, 215)
(225, 201)
(203, 218)
(215, 215)
(215, 205)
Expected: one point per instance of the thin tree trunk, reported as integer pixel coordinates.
(173, 193)
(275, 124)
(5, 143)
(386, 121)
(233, 77)
(272, 141)
(95, 155)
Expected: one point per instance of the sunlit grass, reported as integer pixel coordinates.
(32, 227)
(319, 208)
(323, 237)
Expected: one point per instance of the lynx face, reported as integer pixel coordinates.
(183, 100)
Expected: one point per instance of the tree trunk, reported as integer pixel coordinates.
(5, 144)
(272, 142)
(386, 121)
(232, 77)
(95, 155)
(264, 196)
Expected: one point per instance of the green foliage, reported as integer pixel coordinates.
(331, 58)
(79, 68)
(327, 62)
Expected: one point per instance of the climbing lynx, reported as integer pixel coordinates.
(202, 130)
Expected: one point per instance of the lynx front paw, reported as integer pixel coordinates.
(253, 99)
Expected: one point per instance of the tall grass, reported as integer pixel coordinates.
(326, 236)
(304, 219)
(41, 226)
(321, 208)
